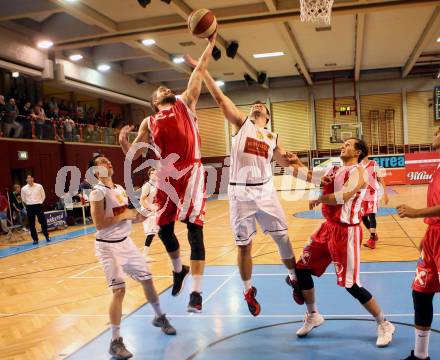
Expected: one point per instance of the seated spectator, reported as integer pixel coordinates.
(2, 110)
(10, 125)
(3, 214)
(80, 113)
(18, 208)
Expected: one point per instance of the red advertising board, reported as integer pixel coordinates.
(419, 167)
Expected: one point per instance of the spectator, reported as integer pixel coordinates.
(19, 211)
(2, 110)
(69, 125)
(33, 196)
(52, 104)
(63, 107)
(10, 120)
(80, 113)
(26, 110)
(109, 116)
(4, 214)
(39, 117)
(25, 119)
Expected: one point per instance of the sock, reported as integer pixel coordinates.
(373, 235)
(380, 318)
(177, 264)
(146, 248)
(292, 274)
(196, 283)
(422, 343)
(312, 308)
(115, 331)
(157, 309)
(247, 285)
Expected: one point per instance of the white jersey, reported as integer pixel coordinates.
(149, 190)
(115, 202)
(251, 155)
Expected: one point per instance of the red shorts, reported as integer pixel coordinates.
(428, 267)
(335, 243)
(181, 198)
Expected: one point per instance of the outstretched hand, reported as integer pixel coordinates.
(123, 134)
(190, 61)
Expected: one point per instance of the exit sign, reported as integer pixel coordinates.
(23, 155)
(437, 103)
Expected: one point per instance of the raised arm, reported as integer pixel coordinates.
(142, 136)
(192, 92)
(230, 111)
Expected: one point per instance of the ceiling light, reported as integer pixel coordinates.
(144, 3)
(220, 83)
(15, 74)
(267, 55)
(438, 39)
(216, 53)
(148, 42)
(75, 57)
(71, 0)
(45, 44)
(232, 49)
(104, 67)
(178, 60)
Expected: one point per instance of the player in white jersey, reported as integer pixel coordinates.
(117, 253)
(148, 209)
(252, 196)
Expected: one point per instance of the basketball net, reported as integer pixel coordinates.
(315, 10)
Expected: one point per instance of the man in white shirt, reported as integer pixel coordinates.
(33, 196)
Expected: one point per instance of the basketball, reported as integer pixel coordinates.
(202, 23)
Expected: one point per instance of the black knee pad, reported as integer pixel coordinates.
(305, 280)
(423, 309)
(166, 234)
(360, 293)
(149, 239)
(372, 221)
(195, 239)
(366, 221)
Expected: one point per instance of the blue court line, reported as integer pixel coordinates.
(13, 250)
(225, 329)
(317, 214)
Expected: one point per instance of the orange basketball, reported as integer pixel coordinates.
(202, 23)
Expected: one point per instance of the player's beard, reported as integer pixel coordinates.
(169, 99)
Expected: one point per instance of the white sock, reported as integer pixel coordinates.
(380, 318)
(177, 264)
(115, 331)
(146, 248)
(292, 274)
(157, 309)
(312, 308)
(196, 283)
(247, 285)
(422, 343)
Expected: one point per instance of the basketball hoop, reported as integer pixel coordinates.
(315, 10)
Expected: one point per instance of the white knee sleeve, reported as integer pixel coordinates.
(283, 244)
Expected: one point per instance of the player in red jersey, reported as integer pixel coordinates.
(427, 280)
(375, 190)
(173, 132)
(338, 240)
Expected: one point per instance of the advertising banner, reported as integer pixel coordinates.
(55, 219)
(420, 167)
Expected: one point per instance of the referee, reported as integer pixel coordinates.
(33, 196)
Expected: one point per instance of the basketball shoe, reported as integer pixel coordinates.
(118, 350)
(371, 243)
(164, 324)
(195, 302)
(296, 293)
(311, 321)
(178, 280)
(253, 305)
(413, 357)
(385, 332)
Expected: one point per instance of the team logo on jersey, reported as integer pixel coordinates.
(256, 147)
(269, 136)
(305, 257)
(421, 277)
(121, 197)
(339, 268)
(260, 135)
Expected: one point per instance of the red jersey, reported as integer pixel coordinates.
(175, 130)
(434, 196)
(351, 211)
(373, 172)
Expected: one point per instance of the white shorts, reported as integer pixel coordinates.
(244, 215)
(150, 225)
(122, 257)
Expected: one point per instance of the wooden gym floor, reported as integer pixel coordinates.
(54, 298)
